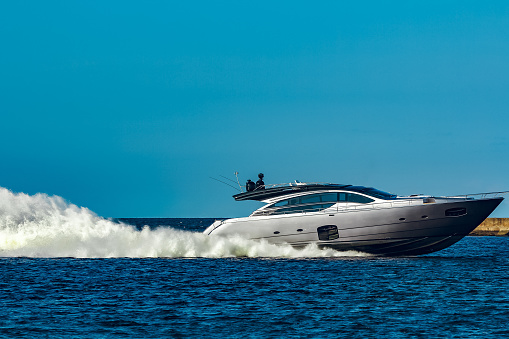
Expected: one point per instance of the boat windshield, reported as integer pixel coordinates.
(379, 194)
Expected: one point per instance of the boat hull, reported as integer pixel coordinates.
(408, 230)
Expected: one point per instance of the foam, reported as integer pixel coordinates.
(48, 226)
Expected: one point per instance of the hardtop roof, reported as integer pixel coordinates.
(273, 191)
(279, 190)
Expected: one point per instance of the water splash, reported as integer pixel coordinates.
(48, 226)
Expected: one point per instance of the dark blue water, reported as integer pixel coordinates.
(456, 293)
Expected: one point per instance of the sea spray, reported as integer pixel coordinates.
(48, 226)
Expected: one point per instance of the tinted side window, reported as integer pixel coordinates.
(329, 197)
(303, 208)
(324, 197)
(310, 198)
(352, 197)
(281, 203)
(293, 201)
(358, 198)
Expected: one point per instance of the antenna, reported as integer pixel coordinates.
(238, 182)
(223, 182)
(222, 176)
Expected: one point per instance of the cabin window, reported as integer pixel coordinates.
(313, 203)
(352, 197)
(329, 197)
(455, 212)
(310, 198)
(373, 192)
(328, 232)
(379, 194)
(281, 203)
(324, 197)
(301, 208)
(293, 201)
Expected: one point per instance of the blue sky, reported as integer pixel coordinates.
(128, 107)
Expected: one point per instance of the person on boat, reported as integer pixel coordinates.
(250, 186)
(260, 185)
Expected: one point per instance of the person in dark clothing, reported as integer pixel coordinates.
(250, 186)
(260, 185)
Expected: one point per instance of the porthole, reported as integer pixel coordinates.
(424, 217)
(300, 230)
(276, 232)
(402, 219)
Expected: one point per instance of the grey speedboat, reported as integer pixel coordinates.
(346, 217)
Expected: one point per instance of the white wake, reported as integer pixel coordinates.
(48, 226)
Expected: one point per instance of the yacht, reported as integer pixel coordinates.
(347, 217)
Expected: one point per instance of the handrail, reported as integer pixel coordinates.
(483, 195)
(343, 207)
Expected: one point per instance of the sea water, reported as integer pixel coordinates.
(66, 272)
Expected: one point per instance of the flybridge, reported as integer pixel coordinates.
(272, 191)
